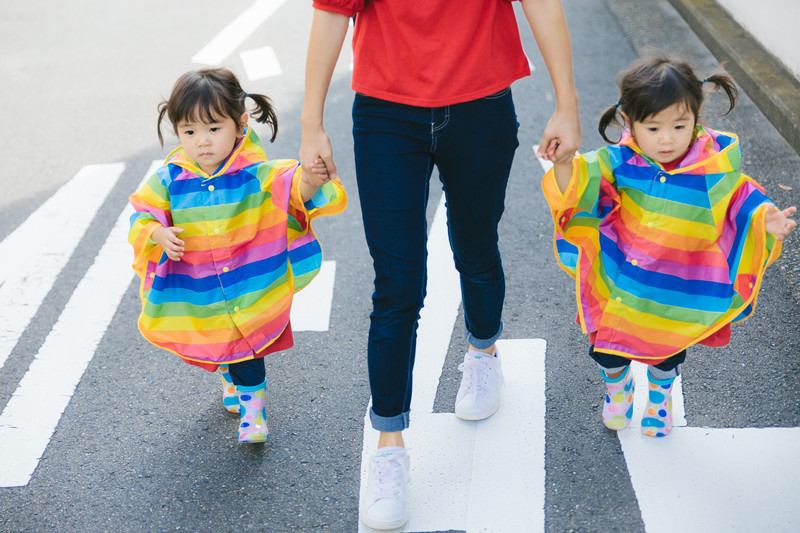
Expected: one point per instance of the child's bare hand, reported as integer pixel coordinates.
(314, 177)
(319, 171)
(778, 222)
(168, 239)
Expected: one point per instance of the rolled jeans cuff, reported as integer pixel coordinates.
(482, 344)
(389, 424)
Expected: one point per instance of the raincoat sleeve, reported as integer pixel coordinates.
(747, 246)
(589, 197)
(305, 252)
(152, 209)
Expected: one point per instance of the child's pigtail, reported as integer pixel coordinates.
(265, 113)
(721, 80)
(609, 118)
(162, 110)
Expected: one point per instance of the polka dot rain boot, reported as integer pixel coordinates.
(618, 405)
(253, 417)
(657, 419)
(230, 399)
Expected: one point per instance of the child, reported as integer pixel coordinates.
(222, 239)
(667, 240)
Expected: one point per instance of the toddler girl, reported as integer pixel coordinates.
(667, 239)
(222, 239)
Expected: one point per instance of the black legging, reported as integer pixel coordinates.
(608, 360)
(248, 373)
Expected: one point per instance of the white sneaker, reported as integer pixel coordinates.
(479, 394)
(384, 506)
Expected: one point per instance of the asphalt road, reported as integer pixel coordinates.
(144, 445)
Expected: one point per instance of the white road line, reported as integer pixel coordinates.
(36, 252)
(261, 63)
(235, 33)
(311, 307)
(716, 479)
(32, 413)
(480, 476)
(438, 315)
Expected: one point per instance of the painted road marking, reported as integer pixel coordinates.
(261, 63)
(480, 476)
(716, 479)
(461, 475)
(438, 315)
(48, 385)
(235, 33)
(47, 240)
(311, 307)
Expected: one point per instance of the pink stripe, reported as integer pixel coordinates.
(208, 267)
(729, 230)
(300, 241)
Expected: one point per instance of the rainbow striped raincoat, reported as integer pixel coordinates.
(661, 259)
(249, 247)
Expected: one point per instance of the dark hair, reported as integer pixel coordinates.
(209, 94)
(653, 84)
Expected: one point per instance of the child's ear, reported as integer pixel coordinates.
(628, 123)
(243, 122)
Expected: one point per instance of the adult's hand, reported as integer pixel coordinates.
(316, 145)
(562, 136)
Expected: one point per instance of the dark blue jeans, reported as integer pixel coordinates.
(472, 145)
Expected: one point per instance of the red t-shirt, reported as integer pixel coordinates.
(432, 53)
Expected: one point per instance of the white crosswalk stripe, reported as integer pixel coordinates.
(37, 251)
(261, 63)
(235, 33)
(58, 367)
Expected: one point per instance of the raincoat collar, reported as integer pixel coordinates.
(248, 151)
(710, 149)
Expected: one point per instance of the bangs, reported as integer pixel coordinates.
(659, 89)
(200, 102)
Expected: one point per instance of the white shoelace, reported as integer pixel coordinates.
(389, 476)
(476, 372)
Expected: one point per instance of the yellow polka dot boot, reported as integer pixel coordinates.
(230, 399)
(253, 416)
(657, 419)
(618, 405)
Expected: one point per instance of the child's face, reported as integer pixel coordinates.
(665, 136)
(209, 144)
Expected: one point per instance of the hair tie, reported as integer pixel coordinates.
(616, 105)
(705, 80)
(246, 95)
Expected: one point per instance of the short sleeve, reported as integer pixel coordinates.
(343, 7)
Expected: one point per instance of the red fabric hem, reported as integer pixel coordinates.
(284, 341)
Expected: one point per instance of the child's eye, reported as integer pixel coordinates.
(652, 130)
(213, 129)
(188, 132)
(679, 127)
